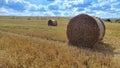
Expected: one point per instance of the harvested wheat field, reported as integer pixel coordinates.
(33, 44)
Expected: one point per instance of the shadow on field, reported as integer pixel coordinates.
(100, 47)
(104, 48)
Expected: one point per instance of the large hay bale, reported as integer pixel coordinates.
(52, 23)
(84, 30)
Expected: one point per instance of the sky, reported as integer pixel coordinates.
(99, 8)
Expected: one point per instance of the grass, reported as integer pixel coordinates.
(32, 44)
(36, 28)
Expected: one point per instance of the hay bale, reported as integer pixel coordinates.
(101, 27)
(84, 30)
(52, 23)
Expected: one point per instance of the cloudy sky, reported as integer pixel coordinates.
(100, 8)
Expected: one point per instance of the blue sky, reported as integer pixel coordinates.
(99, 8)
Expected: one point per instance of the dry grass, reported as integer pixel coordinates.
(33, 44)
(38, 28)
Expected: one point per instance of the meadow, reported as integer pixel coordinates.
(28, 42)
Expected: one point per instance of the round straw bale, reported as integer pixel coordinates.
(84, 30)
(101, 27)
(52, 23)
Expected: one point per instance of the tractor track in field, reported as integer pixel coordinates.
(32, 37)
(45, 39)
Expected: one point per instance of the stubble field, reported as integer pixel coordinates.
(31, 43)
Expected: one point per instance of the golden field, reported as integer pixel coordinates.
(31, 43)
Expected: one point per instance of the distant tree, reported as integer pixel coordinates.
(108, 20)
(118, 20)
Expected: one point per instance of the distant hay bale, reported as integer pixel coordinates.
(84, 30)
(52, 23)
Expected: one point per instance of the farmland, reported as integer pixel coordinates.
(28, 42)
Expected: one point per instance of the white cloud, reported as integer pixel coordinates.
(7, 1)
(113, 0)
(76, 1)
(101, 8)
(5, 11)
(32, 6)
